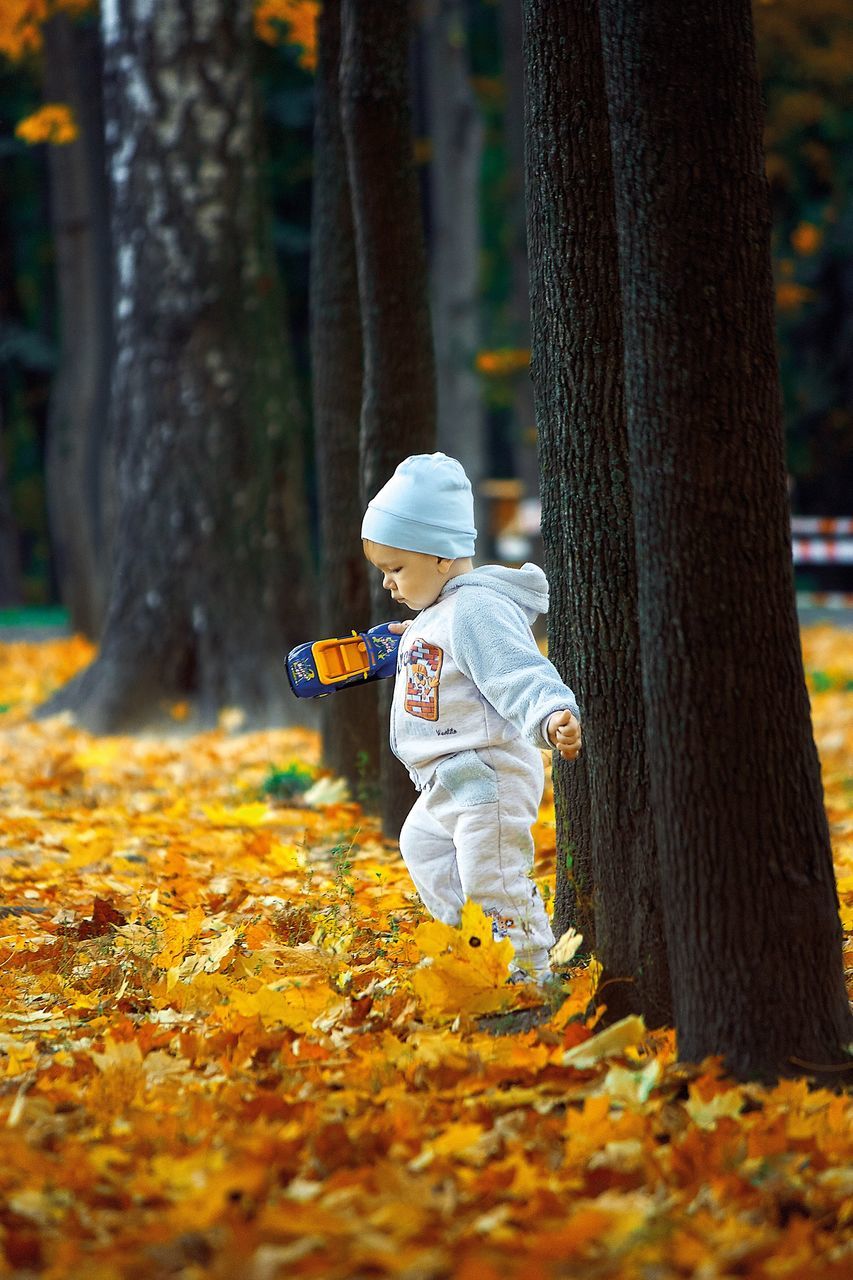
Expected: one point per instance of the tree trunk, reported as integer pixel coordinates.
(10, 556)
(27, 362)
(208, 587)
(350, 723)
(80, 391)
(398, 407)
(750, 907)
(456, 135)
(604, 820)
(518, 302)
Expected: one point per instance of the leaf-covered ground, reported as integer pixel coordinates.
(222, 1054)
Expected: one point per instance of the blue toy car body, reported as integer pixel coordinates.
(320, 667)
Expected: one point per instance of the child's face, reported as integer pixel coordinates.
(414, 579)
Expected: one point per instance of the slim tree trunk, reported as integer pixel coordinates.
(398, 408)
(750, 907)
(349, 723)
(456, 136)
(80, 391)
(518, 302)
(210, 565)
(10, 557)
(27, 361)
(604, 820)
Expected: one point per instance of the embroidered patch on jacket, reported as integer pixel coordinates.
(424, 664)
(501, 925)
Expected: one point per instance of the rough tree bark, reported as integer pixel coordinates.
(211, 561)
(80, 392)
(350, 724)
(750, 907)
(604, 819)
(456, 137)
(398, 407)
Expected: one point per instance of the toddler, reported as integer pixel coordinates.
(474, 704)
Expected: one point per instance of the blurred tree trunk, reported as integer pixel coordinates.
(76, 437)
(398, 407)
(524, 441)
(10, 551)
(350, 723)
(10, 558)
(211, 567)
(456, 136)
(750, 907)
(604, 821)
(27, 361)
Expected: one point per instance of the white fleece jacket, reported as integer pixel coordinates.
(470, 674)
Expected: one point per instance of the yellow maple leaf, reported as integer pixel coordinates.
(20, 1056)
(565, 947)
(202, 994)
(628, 1031)
(705, 1112)
(86, 847)
(243, 815)
(292, 1006)
(102, 1158)
(206, 958)
(631, 1087)
(100, 753)
(463, 1140)
(177, 934)
(468, 968)
(118, 1053)
(286, 857)
(457, 1138)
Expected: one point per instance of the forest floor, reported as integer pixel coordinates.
(222, 1054)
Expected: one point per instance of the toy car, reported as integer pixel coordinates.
(321, 667)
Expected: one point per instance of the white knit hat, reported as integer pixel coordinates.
(427, 506)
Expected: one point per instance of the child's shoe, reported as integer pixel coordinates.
(546, 985)
(535, 977)
(517, 977)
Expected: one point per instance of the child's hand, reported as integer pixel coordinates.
(399, 627)
(564, 732)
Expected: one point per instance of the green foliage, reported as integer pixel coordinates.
(368, 790)
(823, 681)
(342, 863)
(806, 62)
(284, 784)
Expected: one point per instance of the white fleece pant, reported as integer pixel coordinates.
(468, 836)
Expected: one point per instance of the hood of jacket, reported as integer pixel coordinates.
(527, 586)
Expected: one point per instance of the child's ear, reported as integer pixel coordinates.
(444, 565)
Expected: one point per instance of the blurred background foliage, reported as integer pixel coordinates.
(806, 55)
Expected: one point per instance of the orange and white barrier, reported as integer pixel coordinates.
(831, 525)
(815, 540)
(822, 539)
(823, 551)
